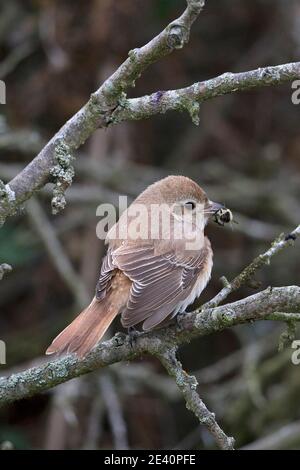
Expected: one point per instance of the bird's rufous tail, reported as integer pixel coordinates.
(86, 330)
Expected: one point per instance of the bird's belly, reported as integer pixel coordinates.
(199, 286)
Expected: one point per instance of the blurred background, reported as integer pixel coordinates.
(245, 153)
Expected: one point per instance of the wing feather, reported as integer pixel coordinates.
(108, 270)
(160, 282)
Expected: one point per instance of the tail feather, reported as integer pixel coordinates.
(85, 331)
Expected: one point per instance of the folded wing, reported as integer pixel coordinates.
(160, 282)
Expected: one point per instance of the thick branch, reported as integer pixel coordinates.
(259, 306)
(188, 99)
(279, 304)
(89, 118)
(96, 113)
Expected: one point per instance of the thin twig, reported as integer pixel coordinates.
(286, 437)
(18, 54)
(188, 387)
(4, 269)
(114, 411)
(55, 250)
(277, 245)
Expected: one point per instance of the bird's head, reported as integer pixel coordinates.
(186, 199)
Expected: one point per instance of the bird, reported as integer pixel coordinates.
(156, 265)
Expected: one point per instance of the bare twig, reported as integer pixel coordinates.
(4, 269)
(114, 411)
(264, 259)
(230, 363)
(135, 177)
(55, 250)
(62, 416)
(283, 438)
(18, 54)
(23, 140)
(188, 387)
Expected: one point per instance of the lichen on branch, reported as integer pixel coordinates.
(62, 174)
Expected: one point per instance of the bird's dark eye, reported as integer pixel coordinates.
(191, 205)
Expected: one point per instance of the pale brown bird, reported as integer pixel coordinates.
(152, 269)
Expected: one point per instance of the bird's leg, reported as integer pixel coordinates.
(178, 318)
(133, 334)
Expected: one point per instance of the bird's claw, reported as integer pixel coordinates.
(133, 334)
(178, 319)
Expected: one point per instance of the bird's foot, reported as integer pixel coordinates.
(178, 319)
(133, 334)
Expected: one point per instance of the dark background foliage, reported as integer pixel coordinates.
(245, 153)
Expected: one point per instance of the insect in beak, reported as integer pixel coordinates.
(220, 213)
(223, 216)
(214, 207)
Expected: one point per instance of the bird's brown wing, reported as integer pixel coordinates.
(159, 282)
(108, 271)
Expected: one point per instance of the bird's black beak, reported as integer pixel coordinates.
(215, 206)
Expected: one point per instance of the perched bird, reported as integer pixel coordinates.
(157, 263)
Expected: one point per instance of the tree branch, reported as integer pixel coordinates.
(4, 269)
(74, 133)
(256, 307)
(95, 113)
(108, 106)
(114, 412)
(277, 304)
(187, 384)
(55, 250)
(188, 99)
(244, 277)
